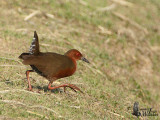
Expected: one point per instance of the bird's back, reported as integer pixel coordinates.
(47, 64)
(50, 64)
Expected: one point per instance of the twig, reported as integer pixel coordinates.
(116, 114)
(13, 102)
(49, 15)
(12, 66)
(31, 112)
(131, 22)
(42, 107)
(107, 8)
(83, 2)
(22, 30)
(36, 106)
(4, 91)
(45, 45)
(31, 15)
(38, 12)
(10, 59)
(124, 3)
(104, 31)
(78, 83)
(77, 107)
(95, 71)
(17, 90)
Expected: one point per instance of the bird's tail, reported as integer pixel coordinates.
(34, 48)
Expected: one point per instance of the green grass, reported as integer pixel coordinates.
(124, 65)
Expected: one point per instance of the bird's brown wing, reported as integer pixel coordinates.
(34, 48)
(49, 63)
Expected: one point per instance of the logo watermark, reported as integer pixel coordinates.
(143, 111)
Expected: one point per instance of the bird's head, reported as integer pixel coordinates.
(76, 55)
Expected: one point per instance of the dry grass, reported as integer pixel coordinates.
(121, 43)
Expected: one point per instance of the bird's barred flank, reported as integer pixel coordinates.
(32, 47)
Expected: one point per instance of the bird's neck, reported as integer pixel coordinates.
(74, 61)
(75, 64)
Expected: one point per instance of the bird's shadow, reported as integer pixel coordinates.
(40, 88)
(45, 89)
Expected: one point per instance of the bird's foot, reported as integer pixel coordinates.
(73, 87)
(29, 88)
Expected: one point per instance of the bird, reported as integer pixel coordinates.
(51, 65)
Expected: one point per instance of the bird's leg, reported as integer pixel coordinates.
(73, 87)
(29, 82)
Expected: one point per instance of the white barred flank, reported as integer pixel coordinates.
(33, 46)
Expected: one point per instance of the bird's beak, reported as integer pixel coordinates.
(84, 59)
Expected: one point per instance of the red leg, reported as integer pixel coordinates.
(29, 82)
(73, 87)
